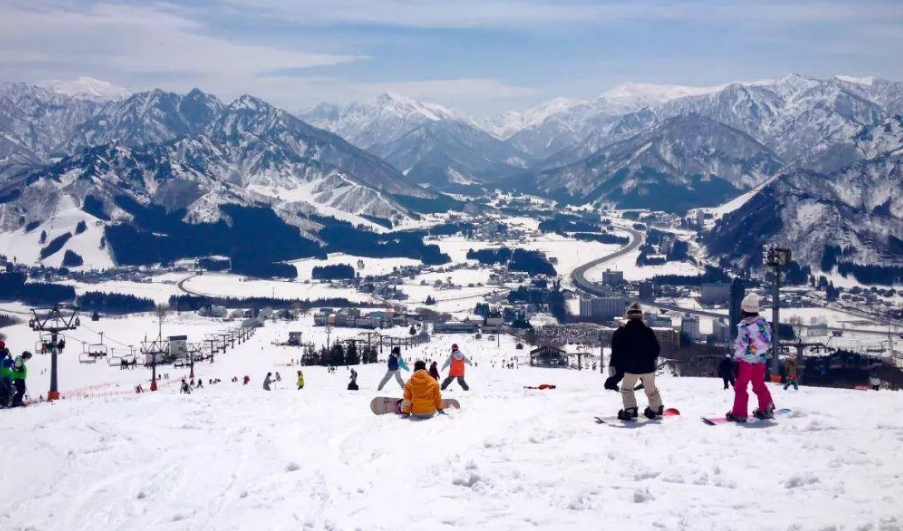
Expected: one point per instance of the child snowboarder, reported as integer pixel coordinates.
(791, 374)
(456, 361)
(726, 371)
(267, 381)
(434, 371)
(422, 397)
(635, 350)
(352, 385)
(300, 380)
(19, 374)
(751, 349)
(395, 363)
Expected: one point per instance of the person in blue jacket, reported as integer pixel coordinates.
(396, 363)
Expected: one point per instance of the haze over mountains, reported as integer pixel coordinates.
(830, 150)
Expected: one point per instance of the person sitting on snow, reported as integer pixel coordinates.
(352, 385)
(395, 363)
(456, 360)
(422, 396)
(186, 389)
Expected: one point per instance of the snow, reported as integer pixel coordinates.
(229, 285)
(87, 88)
(232, 457)
(372, 266)
(650, 93)
(869, 80)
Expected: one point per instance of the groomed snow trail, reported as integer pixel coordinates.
(234, 457)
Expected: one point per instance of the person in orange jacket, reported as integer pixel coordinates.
(456, 361)
(422, 398)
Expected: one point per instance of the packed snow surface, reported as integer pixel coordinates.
(234, 457)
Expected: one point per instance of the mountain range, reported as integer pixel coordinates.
(663, 147)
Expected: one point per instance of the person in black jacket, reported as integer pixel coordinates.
(634, 351)
(726, 371)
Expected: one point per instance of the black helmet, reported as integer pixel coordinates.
(26, 355)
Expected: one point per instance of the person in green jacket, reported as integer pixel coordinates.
(19, 374)
(6, 375)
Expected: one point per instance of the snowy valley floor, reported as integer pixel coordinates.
(235, 457)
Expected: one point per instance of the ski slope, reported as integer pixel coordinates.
(233, 457)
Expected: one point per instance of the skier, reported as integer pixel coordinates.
(875, 382)
(300, 380)
(185, 389)
(246, 380)
(791, 374)
(267, 381)
(352, 385)
(6, 373)
(751, 349)
(434, 371)
(635, 349)
(422, 397)
(18, 376)
(396, 362)
(726, 371)
(200, 383)
(456, 361)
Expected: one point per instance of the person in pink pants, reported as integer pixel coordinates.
(751, 349)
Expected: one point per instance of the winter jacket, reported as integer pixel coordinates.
(634, 348)
(422, 394)
(790, 368)
(300, 380)
(726, 368)
(753, 343)
(266, 383)
(6, 368)
(397, 361)
(456, 360)
(20, 370)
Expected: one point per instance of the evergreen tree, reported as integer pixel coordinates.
(336, 354)
(351, 355)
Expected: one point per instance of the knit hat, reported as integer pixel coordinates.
(2, 345)
(454, 346)
(750, 303)
(635, 310)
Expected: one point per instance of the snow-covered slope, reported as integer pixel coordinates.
(234, 457)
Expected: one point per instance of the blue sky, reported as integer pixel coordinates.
(480, 56)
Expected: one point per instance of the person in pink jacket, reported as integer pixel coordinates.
(751, 350)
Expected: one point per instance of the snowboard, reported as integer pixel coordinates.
(669, 412)
(717, 421)
(383, 405)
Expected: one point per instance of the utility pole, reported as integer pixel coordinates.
(54, 322)
(777, 258)
(156, 348)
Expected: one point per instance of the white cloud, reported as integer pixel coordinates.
(42, 38)
(508, 14)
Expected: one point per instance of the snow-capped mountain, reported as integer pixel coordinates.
(564, 123)
(854, 205)
(388, 119)
(686, 161)
(87, 88)
(443, 152)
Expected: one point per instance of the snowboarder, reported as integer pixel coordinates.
(300, 380)
(6, 375)
(200, 383)
(751, 349)
(185, 389)
(456, 361)
(422, 397)
(791, 374)
(267, 381)
(634, 351)
(875, 382)
(246, 380)
(395, 363)
(19, 375)
(434, 370)
(352, 385)
(726, 371)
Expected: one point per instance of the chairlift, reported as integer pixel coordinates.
(86, 357)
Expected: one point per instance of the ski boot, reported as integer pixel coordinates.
(653, 414)
(733, 418)
(629, 414)
(764, 415)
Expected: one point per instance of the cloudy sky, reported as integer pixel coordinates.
(480, 56)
